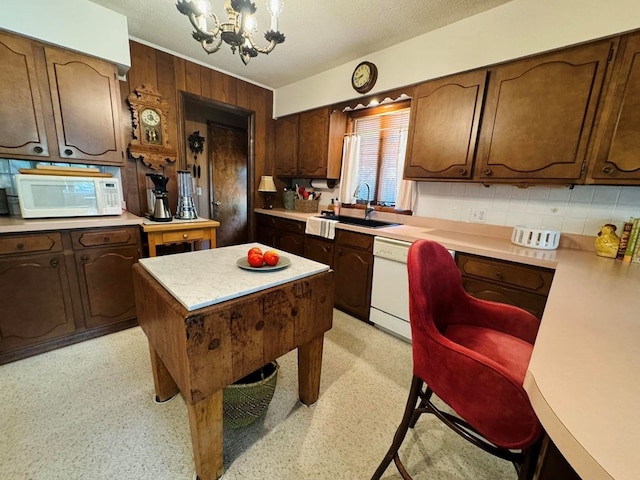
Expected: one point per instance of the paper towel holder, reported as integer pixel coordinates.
(331, 182)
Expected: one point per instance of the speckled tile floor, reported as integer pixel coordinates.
(87, 412)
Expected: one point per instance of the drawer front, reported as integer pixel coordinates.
(266, 221)
(184, 236)
(291, 226)
(534, 279)
(104, 237)
(42, 242)
(361, 241)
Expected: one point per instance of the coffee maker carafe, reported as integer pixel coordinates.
(161, 211)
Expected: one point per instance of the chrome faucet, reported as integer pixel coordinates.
(367, 208)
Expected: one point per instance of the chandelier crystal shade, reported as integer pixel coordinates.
(237, 31)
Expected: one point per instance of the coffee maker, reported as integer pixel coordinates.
(161, 211)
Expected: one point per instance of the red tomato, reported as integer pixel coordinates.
(271, 258)
(255, 260)
(254, 250)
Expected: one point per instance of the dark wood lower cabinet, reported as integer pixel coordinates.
(524, 286)
(36, 300)
(353, 265)
(60, 288)
(319, 249)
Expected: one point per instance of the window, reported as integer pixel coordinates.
(383, 133)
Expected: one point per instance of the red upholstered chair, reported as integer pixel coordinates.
(473, 355)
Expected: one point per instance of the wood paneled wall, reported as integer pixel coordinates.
(172, 75)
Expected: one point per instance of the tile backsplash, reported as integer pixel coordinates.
(581, 210)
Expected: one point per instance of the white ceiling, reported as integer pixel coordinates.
(320, 34)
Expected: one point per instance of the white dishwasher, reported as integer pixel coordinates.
(390, 289)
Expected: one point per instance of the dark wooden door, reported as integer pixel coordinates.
(36, 301)
(106, 284)
(313, 131)
(85, 93)
(286, 145)
(228, 163)
(353, 273)
(22, 130)
(539, 113)
(444, 127)
(618, 148)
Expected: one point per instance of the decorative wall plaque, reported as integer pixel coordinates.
(150, 141)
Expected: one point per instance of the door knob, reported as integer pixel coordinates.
(217, 203)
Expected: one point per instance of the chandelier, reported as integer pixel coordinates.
(237, 31)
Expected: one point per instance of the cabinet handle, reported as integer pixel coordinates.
(54, 262)
(462, 171)
(20, 246)
(106, 239)
(499, 275)
(84, 258)
(185, 235)
(68, 151)
(339, 251)
(488, 172)
(38, 149)
(607, 170)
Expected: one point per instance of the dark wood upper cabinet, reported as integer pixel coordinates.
(85, 94)
(309, 144)
(286, 145)
(313, 142)
(617, 146)
(22, 130)
(539, 113)
(445, 115)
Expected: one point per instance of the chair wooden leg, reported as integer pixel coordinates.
(401, 432)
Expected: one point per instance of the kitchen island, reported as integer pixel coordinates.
(209, 323)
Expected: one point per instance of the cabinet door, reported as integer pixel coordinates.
(85, 95)
(313, 143)
(445, 115)
(319, 249)
(36, 301)
(286, 145)
(539, 113)
(353, 274)
(106, 284)
(22, 130)
(290, 242)
(617, 154)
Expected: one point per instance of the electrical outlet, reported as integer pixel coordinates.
(198, 190)
(477, 215)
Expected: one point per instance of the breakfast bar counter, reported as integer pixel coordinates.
(210, 322)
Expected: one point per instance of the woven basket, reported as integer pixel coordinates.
(247, 400)
(306, 205)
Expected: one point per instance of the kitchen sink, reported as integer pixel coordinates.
(361, 222)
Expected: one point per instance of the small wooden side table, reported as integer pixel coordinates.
(176, 231)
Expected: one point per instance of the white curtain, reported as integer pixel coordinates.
(406, 192)
(350, 165)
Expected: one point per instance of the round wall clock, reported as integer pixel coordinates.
(364, 77)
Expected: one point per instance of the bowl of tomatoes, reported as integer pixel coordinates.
(263, 261)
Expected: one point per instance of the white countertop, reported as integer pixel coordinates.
(22, 225)
(206, 277)
(583, 376)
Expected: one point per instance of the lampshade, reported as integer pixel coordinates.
(266, 184)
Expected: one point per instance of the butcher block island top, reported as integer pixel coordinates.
(206, 277)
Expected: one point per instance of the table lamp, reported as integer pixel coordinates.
(267, 187)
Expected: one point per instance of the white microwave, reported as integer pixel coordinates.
(44, 196)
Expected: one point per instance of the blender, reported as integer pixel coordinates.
(161, 211)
